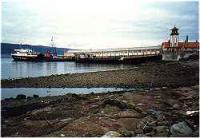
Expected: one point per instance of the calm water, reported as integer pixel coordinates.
(12, 69)
(15, 69)
(42, 92)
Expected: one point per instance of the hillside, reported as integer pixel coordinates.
(7, 48)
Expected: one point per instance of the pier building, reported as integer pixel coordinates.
(117, 55)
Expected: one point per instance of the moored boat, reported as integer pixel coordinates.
(26, 55)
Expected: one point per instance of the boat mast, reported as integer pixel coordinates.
(53, 46)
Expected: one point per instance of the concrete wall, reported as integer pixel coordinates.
(175, 56)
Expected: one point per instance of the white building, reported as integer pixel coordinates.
(175, 50)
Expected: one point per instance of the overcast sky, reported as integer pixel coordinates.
(97, 23)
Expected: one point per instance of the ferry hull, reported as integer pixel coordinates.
(38, 58)
(125, 60)
(27, 58)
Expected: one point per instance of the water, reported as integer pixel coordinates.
(12, 69)
(17, 69)
(42, 92)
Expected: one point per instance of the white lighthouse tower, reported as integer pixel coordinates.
(174, 37)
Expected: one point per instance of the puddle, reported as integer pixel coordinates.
(42, 92)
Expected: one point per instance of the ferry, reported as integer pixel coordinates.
(30, 55)
(26, 55)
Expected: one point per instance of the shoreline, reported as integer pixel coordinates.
(146, 75)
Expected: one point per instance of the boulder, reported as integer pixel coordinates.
(35, 96)
(161, 131)
(154, 113)
(128, 114)
(126, 133)
(62, 135)
(147, 129)
(114, 102)
(129, 124)
(181, 129)
(112, 134)
(21, 96)
(141, 135)
(176, 106)
(66, 119)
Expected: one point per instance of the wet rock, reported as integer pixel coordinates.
(164, 87)
(161, 123)
(110, 110)
(140, 104)
(34, 128)
(138, 109)
(156, 89)
(118, 103)
(35, 96)
(161, 131)
(129, 124)
(147, 129)
(181, 129)
(176, 106)
(90, 127)
(62, 135)
(191, 112)
(78, 97)
(126, 133)
(29, 98)
(149, 134)
(157, 97)
(128, 114)
(141, 135)
(112, 134)
(138, 131)
(170, 102)
(196, 133)
(154, 113)
(21, 96)
(154, 123)
(9, 99)
(66, 120)
(144, 122)
(46, 109)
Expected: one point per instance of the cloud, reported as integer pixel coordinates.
(94, 23)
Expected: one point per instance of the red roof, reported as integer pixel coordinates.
(182, 45)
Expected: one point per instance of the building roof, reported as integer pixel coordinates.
(174, 31)
(182, 45)
(174, 28)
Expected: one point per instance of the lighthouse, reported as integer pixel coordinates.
(174, 37)
(174, 50)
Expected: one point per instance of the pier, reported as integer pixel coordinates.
(128, 55)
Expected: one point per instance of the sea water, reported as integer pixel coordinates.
(18, 69)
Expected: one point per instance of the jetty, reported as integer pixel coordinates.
(120, 55)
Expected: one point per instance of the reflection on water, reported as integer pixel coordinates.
(42, 92)
(16, 69)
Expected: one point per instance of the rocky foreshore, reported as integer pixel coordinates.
(168, 105)
(157, 112)
(155, 74)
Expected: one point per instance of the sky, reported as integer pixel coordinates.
(97, 24)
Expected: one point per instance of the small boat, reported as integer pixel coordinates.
(26, 55)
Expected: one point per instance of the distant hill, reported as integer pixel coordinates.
(7, 48)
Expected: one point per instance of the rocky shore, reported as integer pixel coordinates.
(157, 112)
(167, 106)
